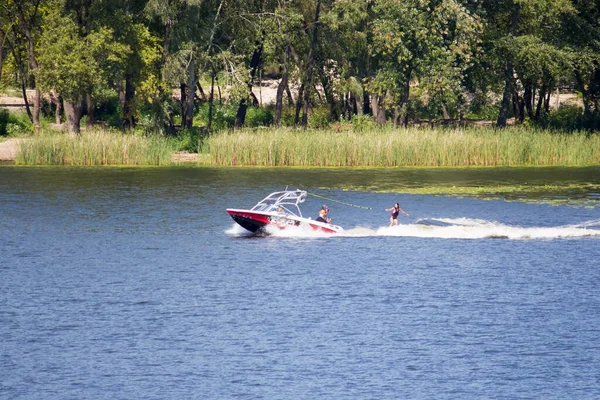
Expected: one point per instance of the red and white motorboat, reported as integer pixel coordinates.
(280, 210)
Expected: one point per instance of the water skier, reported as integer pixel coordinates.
(396, 210)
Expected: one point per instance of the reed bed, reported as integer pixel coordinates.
(95, 148)
(404, 147)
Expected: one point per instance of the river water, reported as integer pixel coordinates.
(124, 283)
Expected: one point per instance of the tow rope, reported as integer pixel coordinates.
(337, 201)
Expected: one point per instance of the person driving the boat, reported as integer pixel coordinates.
(323, 215)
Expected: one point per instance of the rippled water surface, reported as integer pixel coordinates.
(135, 284)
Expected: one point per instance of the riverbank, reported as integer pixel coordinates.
(386, 147)
(411, 147)
(9, 148)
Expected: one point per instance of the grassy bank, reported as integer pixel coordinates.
(95, 148)
(324, 148)
(405, 147)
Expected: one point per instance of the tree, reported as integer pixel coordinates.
(27, 18)
(429, 42)
(76, 66)
(581, 33)
(517, 31)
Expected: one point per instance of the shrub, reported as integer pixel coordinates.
(482, 108)
(190, 139)
(258, 116)
(110, 111)
(567, 117)
(361, 123)
(223, 116)
(12, 124)
(319, 118)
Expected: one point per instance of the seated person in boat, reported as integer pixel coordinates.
(323, 215)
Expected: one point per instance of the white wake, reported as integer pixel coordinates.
(448, 228)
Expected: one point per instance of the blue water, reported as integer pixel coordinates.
(135, 284)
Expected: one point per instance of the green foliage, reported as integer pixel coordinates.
(319, 118)
(74, 65)
(223, 116)
(155, 115)
(14, 124)
(431, 43)
(258, 116)
(566, 118)
(426, 56)
(363, 123)
(109, 111)
(482, 107)
(191, 140)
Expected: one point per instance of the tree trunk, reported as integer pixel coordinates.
(33, 64)
(299, 103)
(378, 109)
(404, 103)
(183, 96)
(374, 107)
(528, 100)
(91, 112)
(328, 90)
(508, 73)
(310, 61)
(202, 97)
(73, 112)
(506, 97)
(26, 100)
(346, 106)
(396, 116)
(127, 104)
(516, 105)
(353, 105)
(190, 95)
(445, 113)
(366, 106)
(55, 99)
(240, 116)
(538, 109)
(2, 53)
(281, 87)
(547, 103)
(211, 100)
(290, 97)
(37, 106)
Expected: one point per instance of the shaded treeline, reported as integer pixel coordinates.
(390, 59)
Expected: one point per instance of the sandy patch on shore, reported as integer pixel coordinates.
(8, 149)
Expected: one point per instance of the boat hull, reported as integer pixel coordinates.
(256, 221)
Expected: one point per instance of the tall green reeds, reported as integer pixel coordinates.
(405, 147)
(95, 148)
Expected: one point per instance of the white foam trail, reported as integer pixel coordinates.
(237, 230)
(443, 228)
(296, 232)
(464, 228)
(588, 224)
(288, 232)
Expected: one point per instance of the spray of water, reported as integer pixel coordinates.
(448, 228)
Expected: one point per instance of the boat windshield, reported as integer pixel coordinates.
(285, 202)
